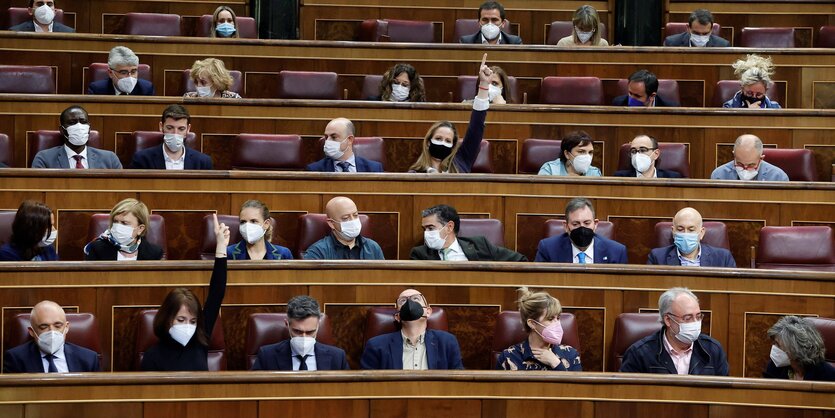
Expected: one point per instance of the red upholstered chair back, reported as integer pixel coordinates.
(674, 156)
(371, 86)
(509, 331)
(799, 164)
(98, 71)
(826, 327)
(269, 328)
(267, 152)
(14, 16)
(826, 37)
(380, 320)
(6, 220)
(561, 28)
(27, 79)
(208, 242)
(308, 85)
(464, 27)
(572, 91)
(674, 28)
(725, 90)
(371, 148)
(716, 234)
(491, 229)
(554, 227)
(796, 248)
(145, 339)
(314, 226)
(629, 329)
(237, 82)
(373, 30)
(413, 31)
(667, 89)
(247, 28)
(6, 150)
(483, 162)
(152, 24)
(140, 140)
(468, 86)
(155, 234)
(84, 331)
(767, 38)
(536, 152)
(42, 140)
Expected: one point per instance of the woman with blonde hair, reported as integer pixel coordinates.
(224, 23)
(256, 230)
(586, 30)
(123, 239)
(754, 73)
(212, 79)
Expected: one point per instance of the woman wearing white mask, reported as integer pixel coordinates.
(576, 151)
(256, 229)
(499, 89)
(183, 327)
(797, 352)
(586, 30)
(224, 23)
(123, 240)
(212, 79)
(401, 83)
(33, 234)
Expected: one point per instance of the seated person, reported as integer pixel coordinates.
(679, 347)
(642, 92)
(74, 153)
(124, 76)
(339, 151)
(499, 89)
(256, 229)
(212, 79)
(401, 83)
(224, 23)
(645, 153)
(33, 234)
(688, 250)
(698, 33)
(344, 242)
(586, 31)
(576, 152)
(543, 349)
(748, 163)
(413, 347)
(122, 241)
(43, 19)
(798, 352)
(492, 19)
(175, 125)
(579, 244)
(48, 351)
(449, 246)
(301, 351)
(754, 73)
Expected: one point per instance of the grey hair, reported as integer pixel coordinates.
(799, 339)
(576, 204)
(754, 69)
(122, 56)
(758, 143)
(302, 307)
(665, 301)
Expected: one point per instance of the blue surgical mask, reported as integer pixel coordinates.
(633, 102)
(225, 30)
(686, 242)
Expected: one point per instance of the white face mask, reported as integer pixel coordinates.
(252, 233)
(174, 142)
(746, 174)
(688, 332)
(493, 92)
(49, 239)
(433, 239)
(302, 346)
(51, 341)
(583, 36)
(78, 134)
(490, 31)
(699, 40)
(399, 93)
(581, 163)
(641, 162)
(126, 84)
(205, 91)
(779, 357)
(122, 234)
(182, 333)
(44, 15)
(350, 229)
(333, 149)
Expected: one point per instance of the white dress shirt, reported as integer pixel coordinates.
(454, 253)
(58, 358)
(39, 29)
(179, 164)
(310, 360)
(71, 160)
(589, 253)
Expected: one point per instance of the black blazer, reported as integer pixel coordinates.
(153, 158)
(26, 358)
(475, 248)
(103, 250)
(683, 39)
(278, 357)
(476, 39)
(661, 173)
(105, 87)
(659, 102)
(29, 26)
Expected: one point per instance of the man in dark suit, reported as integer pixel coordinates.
(43, 19)
(492, 19)
(580, 244)
(642, 92)
(75, 153)
(687, 249)
(339, 151)
(644, 153)
(123, 73)
(699, 32)
(172, 154)
(441, 224)
(413, 347)
(48, 352)
(301, 351)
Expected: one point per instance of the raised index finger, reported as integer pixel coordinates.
(484, 60)
(214, 216)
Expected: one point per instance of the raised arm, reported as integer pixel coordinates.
(217, 285)
(468, 152)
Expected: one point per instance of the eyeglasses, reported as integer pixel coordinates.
(125, 73)
(417, 297)
(689, 317)
(752, 94)
(642, 150)
(751, 166)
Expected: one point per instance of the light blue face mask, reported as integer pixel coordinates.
(686, 242)
(225, 30)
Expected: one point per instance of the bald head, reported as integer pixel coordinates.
(344, 127)
(688, 220)
(748, 151)
(47, 316)
(340, 206)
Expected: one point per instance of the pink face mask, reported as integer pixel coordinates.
(552, 334)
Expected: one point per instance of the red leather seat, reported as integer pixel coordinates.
(208, 241)
(716, 234)
(674, 28)
(84, 331)
(826, 327)
(629, 329)
(464, 27)
(42, 140)
(674, 156)
(98, 71)
(269, 328)
(314, 226)
(725, 90)
(308, 85)
(14, 16)
(799, 164)
(371, 87)
(767, 38)
(509, 331)
(536, 152)
(371, 148)
(468, 86)
(796, 248)
(394, 30)
(572, 91)
(99, 222)
(6, 219)
(554, 227)
(152, 24)
(561, 28)
(491, 229)
(246, 25)
(826, 37)
(267, 152)
(483, 162)
(145, 339)
(27, 79)
(380, 320)
(140, 140)
(667, 89)
(6, 150)
(237, 82)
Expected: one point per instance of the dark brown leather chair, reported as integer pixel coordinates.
(14, 16)
(674, 156)
(826, 327)
(674, 28)
(767, 38)
(27, 79)
(629, 329)
(152, 24)
(826, 37)
(208, 241)
(267, 152)
(799, 164)
(6, 220)
(380, 320)
(394, 30)
(572, 91)
(371, 87)
(561, 28)
(155, 234)
(141, 140)
(371, 148)
(725, 90)
(491, 229)
(247, 28)
(483, 162)
(84, 332)
(145, 339)
(796, 248)
(468, 88)
(6, 150)
(42, 140)
(98, 71)
(667, 89)
(554, 227)
(716, 234)
(314, 226)
(237, 82)
(536, 152)
(269, 328)
(308, 85)
(509, 331)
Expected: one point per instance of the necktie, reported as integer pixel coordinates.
(344, 165)
(444, 252)
(303, 360)
(581, 257)
(51, 368)
(78, 159)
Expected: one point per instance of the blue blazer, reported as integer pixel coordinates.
(386, 351)
(56, 157)
(711, 257)
(153, 159)
(326, 165)
(278, 357)
(105, 87)
(274, 252)
(558, 250)
(26, 358)
(9, 252)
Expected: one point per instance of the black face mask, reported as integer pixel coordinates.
(581, 237)
(749, 99)
(439, 151)
(411, 311)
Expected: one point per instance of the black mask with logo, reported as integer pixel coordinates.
(439, 151)
(581, 237)
(411, 311)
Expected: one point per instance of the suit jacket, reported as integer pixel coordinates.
(683, 39)
(56, 157)
(153, 158)
(711, 256)
(326, 165)
(475, 248)
(648, 355)
(558, 250)
(29, 26)
(103, 250)
(659, 102)
(661, 173)
(476, 39)
(278, 356)
(26, 358)
(386, 351)
(105, 87)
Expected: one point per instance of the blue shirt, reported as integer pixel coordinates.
(555, 168)
(766, 172)
(520, 357)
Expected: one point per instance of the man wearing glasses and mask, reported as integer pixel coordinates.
(644, 153)
(123, 75)
(748, 163)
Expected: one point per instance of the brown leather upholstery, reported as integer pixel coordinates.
(716, 234)
(152, 24)
(554, 227)
(246, 27)
(6, 220)
(308, 85)
(629, 329)
(667, 89)
(491, 229)
(572, 91)
(394, 30)
(314, 226)
(145, 339)
(725, 90)
(483, 162)
(267, 152)
(799, 164)
(84, 331)
(14, 16)
(237, 82)
(140, 140)
(269, 328)
(767, 38)
(208, 241)
(464, 27)
(27, 79)
(155, 234)
(468, 88)
(796, 248)
(509, 331)
(380, 320)
(536, 152)
(826, 327)
(826, 37)
(42, 140)
(674, 156)
(6, 150)
(371, 148)
(561, 28)
(674, 28)
(371, 87)
(98, 71)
